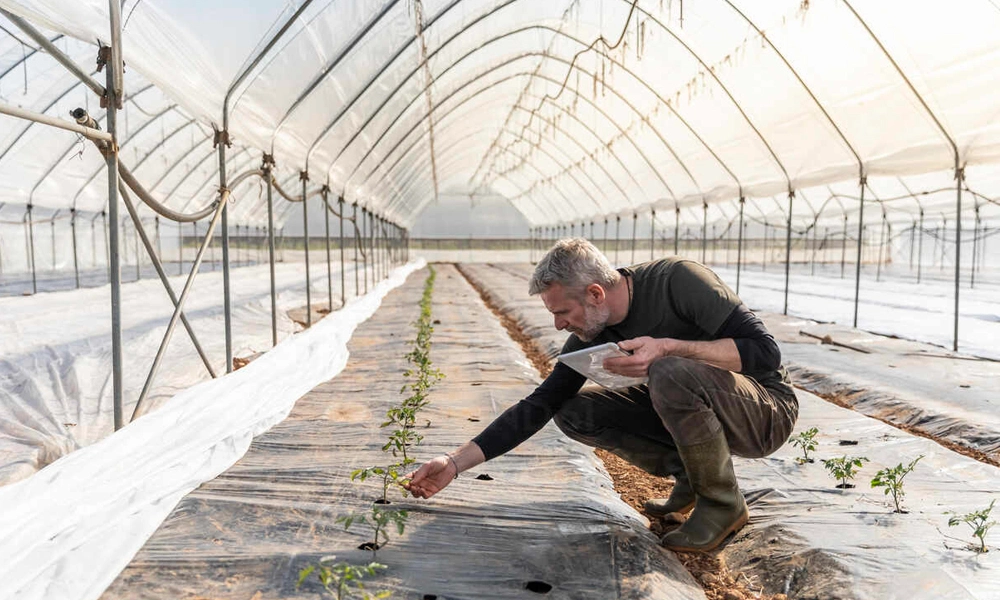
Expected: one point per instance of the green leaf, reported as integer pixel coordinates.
(303, 574)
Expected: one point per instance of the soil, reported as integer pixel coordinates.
(635, 486)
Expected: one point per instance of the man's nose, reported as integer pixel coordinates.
(560, 323)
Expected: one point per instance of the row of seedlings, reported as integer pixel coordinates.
(845, 468)
(342, 580)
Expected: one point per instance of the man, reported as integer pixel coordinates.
(716, 386)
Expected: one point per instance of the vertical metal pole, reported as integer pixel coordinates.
(843, 249)
(343, 293)
(712, 256)
(31, 253)
(677, 229)
(159, 247)
(975, 248)
(357, 233)
(371, 247)
(913, 241)
(739, 246)
(364, 237)
(76, 259)
(920, 247)
(618, 227)
(138, 266)
(959, 177)
(180, 249)
(635, 223)
(52, 235)
(881, 246)
(861, 235)
(304, 177)
(268, 165)
(107, 244)
(223, 141)
(704, 230)
(652, 234)
(112, 161)
(788, 247)
(329, 267)
(763, 256)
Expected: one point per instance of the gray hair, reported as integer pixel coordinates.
(573, 263)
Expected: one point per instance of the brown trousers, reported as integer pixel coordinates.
(686, 402)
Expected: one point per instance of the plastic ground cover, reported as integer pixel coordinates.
(548, 514)
(55, 388)
(68, 530)
(807, 538)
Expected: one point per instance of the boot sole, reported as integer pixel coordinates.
(717, 541)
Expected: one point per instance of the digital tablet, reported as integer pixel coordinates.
(589, 362)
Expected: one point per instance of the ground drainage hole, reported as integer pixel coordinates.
(539, 587)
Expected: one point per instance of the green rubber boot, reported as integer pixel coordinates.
(680, 502)
(719, 508)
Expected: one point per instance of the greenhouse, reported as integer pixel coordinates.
(272, 272)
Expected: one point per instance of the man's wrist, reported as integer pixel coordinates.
(451, 459)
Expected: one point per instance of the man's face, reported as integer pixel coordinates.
(586, 317)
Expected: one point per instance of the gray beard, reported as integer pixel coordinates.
(595, 320)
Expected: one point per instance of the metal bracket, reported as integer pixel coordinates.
(303, 175)
(267, 162)
(221, 137)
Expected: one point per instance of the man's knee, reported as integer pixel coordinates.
(674, 382)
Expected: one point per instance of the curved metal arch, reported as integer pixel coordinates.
(573, 176)
(711, 72)
(371, 117)
(215, 173)
(29, 124)
(178, 161)
(492, 85)
(798, 78)
(103, 169)
(385, 66)
(354, 41)
(412, 178)
(498, 38)
(465, 84)
(462, 154)
(565, 198)
(34, 50)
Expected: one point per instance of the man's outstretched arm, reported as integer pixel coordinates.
(435, 475)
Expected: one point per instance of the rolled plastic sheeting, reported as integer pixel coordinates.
(70, 529)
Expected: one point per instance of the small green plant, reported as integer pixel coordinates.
(340, 579)
(807, 441)
(391, 474)
(891, 478)
(844, 468)
(979, 521)
(378, 520)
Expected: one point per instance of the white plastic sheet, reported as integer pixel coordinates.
(71, 528)
(680, 105)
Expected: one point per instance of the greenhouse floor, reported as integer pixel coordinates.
(807, 538)
(548, 516)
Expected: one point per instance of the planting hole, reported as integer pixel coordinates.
(848, 442)
(430, 597)
(369, 546)
(381, 501)
(845, 486)
(484, 477)
(539, 587)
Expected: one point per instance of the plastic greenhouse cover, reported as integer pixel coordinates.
(56, 395)
(70, 529)
(547, 515)
(809, 539)
(707, 103)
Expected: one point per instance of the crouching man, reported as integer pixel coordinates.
(716, 386)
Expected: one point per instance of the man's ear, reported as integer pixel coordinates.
(595, 294)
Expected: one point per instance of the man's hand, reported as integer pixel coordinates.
(432, 477)
(644, 350)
